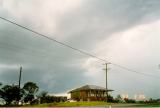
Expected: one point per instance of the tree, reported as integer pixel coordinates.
(129, 100)
(10, 93)
(43, 94)
(30, 89)
(118, 99)
(29, 98)
(45, 98)
(110, 98)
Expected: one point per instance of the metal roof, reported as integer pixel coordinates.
(90, 87)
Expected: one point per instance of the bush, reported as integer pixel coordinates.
(129, 100)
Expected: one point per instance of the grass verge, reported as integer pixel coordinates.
(72, 104)
(90, 104)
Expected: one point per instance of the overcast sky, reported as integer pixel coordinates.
(125, 32)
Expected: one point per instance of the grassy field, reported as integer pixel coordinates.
(73, 104)
(98, 104)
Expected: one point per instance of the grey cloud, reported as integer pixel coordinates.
(97, 20)
(53, 66)
(39, 58)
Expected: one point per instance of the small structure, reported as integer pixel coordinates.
(89, 93)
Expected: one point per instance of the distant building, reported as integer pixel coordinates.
(124, 96)
(89, 93)
(139, 97)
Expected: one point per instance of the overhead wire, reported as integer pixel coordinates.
(76, 49)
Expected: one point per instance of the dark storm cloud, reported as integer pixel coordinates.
(43, 61)
(54, 67)
(95, 20)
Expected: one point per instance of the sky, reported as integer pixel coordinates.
(125, 32)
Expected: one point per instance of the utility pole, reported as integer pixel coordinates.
(20, 77)
(106, 69)
(19, 82)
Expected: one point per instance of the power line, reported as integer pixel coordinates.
(133, 71)
(42, 35)
(76, 49)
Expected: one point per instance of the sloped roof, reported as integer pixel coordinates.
(90, 87)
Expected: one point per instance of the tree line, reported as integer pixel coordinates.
(13, 94)
(119, 99)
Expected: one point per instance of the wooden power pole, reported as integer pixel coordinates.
(106, 69)
(19, 83)
(20, 77)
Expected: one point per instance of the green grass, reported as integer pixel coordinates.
(78, 104)
(151, 105)
(72, 104)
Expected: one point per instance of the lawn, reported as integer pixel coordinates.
(73, 104)
(95, 104)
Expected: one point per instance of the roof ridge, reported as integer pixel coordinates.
(91, 87)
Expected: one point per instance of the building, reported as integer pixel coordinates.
(139, 97)
(89, 93)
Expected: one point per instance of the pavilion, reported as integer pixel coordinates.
(89, 93)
